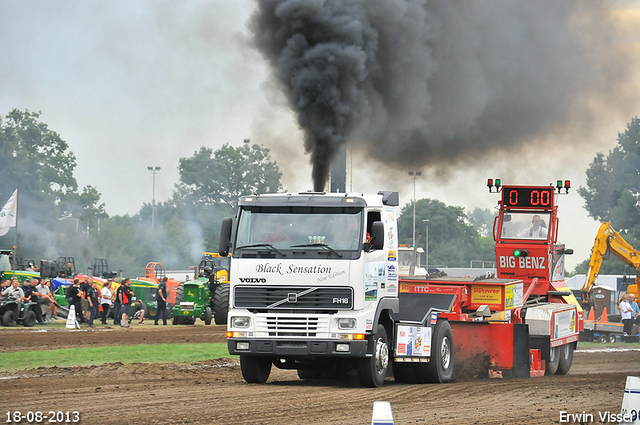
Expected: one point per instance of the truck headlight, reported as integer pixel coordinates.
(346, 323)
(240, 322)
(344, 348)
(242, 346)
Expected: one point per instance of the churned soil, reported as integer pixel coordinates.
(213, 392)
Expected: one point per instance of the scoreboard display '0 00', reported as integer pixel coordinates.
(527, 197)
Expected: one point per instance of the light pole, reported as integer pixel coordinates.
(414, 174)
(153, 170)
(426, 245)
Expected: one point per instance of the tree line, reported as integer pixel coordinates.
(57, 218)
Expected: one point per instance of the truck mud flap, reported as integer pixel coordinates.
(521, 355)
(417, 308)
(481, 347)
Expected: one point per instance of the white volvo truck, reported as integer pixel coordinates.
(314, 280)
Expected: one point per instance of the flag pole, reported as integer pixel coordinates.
(15, 236)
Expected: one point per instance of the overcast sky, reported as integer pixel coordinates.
(131, 84)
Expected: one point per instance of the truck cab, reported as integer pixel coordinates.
(313, 278)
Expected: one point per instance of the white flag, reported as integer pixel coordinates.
(8, 214)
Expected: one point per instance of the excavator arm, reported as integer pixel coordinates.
(608, 240)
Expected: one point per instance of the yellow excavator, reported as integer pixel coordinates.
(609, 241)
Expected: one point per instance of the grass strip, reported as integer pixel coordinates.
(585, 344)
(87, 356)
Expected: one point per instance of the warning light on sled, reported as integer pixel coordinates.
(566, 186)
(491, 185)
(520, 253)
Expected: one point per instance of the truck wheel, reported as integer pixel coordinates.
(554, 361)
(566, 359)
(208, 315)
(221, 303)
(612, 338)
(440, 368)
(255, 369)
(29, 318)
(8, 318)
(404, 373)
(603, 338)
(372, 370)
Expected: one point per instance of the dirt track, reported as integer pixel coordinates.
(214, 392)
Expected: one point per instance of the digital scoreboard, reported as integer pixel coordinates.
(527, 197)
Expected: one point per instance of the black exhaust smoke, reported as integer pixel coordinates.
(420, 83)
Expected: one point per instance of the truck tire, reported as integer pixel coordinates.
(372, 370)
(440, 368)
(566, 359)
(8, 318)
(255, 369)
(221, 303)
(554, 361)
(208, 315)
(29, 318)
(612, 338)
(603, 338)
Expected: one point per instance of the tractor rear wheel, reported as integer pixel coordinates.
(180, 293)
(208, 315)
(566, 359)
(8, 318)
(29, 318)
(255, 369)
(221, 304)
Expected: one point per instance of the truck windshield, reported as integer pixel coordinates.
(525, 225)
(339, 228)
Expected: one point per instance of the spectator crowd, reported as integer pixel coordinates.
(115, 298)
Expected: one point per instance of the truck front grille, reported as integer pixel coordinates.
(291, 326)
(293, 297)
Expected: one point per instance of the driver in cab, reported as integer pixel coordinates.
(537, 230)
(279, 235)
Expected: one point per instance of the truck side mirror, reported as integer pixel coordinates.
(377, 235)
(225, 236)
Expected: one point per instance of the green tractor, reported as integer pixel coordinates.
(147, 292)
(22, 268)
(206, 296)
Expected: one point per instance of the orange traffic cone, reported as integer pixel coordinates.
(604, 316)
(592, 314)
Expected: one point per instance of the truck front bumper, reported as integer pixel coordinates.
(294, 348)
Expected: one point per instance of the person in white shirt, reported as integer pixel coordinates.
(535, 231)
(46, 298)
(14, 293)
(105, 300)
(626, 312)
